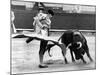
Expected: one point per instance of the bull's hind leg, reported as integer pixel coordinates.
(63, 48)
(87, 52)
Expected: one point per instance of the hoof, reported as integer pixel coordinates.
(84, 62)
(43, 66)
(91, 60)
(73, 60)
(66, 63)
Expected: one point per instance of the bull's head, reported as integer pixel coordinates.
(80, 45)
(76, 47)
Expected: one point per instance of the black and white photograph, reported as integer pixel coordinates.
(51, 37)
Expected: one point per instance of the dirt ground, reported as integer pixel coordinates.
(25, 59)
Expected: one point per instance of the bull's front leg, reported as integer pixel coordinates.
(82, 58)
(87, 52)
(43, 45)
(71, 52)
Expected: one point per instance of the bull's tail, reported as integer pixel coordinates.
(51, 45)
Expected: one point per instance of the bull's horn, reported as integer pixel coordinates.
(69, 45)
(80, 45)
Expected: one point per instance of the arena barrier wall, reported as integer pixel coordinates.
(60, 21)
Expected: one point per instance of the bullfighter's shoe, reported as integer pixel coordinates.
(43, 66)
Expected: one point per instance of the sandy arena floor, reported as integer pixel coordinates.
(25, 57)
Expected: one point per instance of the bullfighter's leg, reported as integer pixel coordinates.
(63, 48)
(87, 52)
(43, 45)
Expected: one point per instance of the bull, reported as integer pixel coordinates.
(76, 42)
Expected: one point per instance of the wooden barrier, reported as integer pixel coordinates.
(24, 20)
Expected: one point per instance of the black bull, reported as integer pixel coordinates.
(70, 39)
